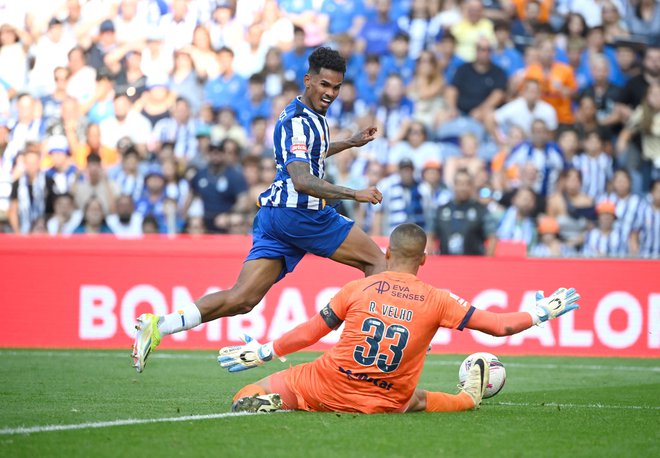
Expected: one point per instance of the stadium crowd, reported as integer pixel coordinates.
(520, 120)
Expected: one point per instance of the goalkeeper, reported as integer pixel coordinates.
(390, 319)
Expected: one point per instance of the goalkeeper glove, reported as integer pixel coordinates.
(561, 301)
(243, 357)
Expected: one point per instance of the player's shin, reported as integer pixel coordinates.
(186, 317)
(445, 402)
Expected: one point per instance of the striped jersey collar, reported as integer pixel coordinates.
(300, 103)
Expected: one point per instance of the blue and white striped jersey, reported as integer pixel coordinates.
(627, 209)
(300, 134)
(648, 225)
(401, 204)
(598, 244)
(596, 172)
(548, 162)
(516, 229)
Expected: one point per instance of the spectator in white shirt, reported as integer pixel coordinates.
(157, 58)
(416, 147)
(250, 54)
(130, 23)
(82, 78)
(49, 53)
(13, 58)
(126, 222)
(522, 111)
(65, 218)
(178, 25)
(125, 123)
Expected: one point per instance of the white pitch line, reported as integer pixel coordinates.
(211, 357)
(129, 421)
(140, 421)
(575, 406)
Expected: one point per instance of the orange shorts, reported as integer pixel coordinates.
(298, 388)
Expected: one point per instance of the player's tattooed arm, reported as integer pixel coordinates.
(359, 139)
(305, 182)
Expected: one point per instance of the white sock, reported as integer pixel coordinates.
(187, 317)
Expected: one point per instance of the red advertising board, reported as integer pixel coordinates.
(82, 292)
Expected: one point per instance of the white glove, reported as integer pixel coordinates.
(561, 301)
(243, 357)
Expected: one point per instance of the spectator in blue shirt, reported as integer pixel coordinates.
(152, 202)
(398, 61)
(101, 106)
(295, 61)
(344, 16)
(379, 30)
(400, 8)
(596, 45)
(221, 187)
(446, 52)
(354, 60)
(370, 82)
(228, 89)
(257, 103)
(505, 55)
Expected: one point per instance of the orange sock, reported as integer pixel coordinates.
(444, 402)
(249, 390)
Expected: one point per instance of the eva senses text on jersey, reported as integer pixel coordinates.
(394, 290)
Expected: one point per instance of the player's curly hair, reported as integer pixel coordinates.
(326, 58)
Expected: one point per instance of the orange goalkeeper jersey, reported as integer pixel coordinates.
(390, 319)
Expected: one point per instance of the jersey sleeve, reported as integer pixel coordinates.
(296, 141)
(454, 311)
(340, 303)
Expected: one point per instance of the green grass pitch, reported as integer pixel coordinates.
(550, 406)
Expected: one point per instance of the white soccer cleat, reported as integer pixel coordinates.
(258, 403)
(147, 338)
(477, 380)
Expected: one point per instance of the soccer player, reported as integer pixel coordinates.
(293, 218)
(389, 320)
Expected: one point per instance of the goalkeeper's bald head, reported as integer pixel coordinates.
(407, 245)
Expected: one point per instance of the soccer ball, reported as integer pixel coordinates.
(497, 373)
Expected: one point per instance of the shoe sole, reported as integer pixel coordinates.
(139, 361)
(257, 403)
(485, 376)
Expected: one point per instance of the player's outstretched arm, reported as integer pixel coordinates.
(561, 301)
(305, 182)
(359, 139)
(252, 354)
(546, 308)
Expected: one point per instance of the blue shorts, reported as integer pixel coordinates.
(288, 233)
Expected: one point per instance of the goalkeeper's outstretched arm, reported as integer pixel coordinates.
(546, 308)
(302, 336)
(253, 354)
